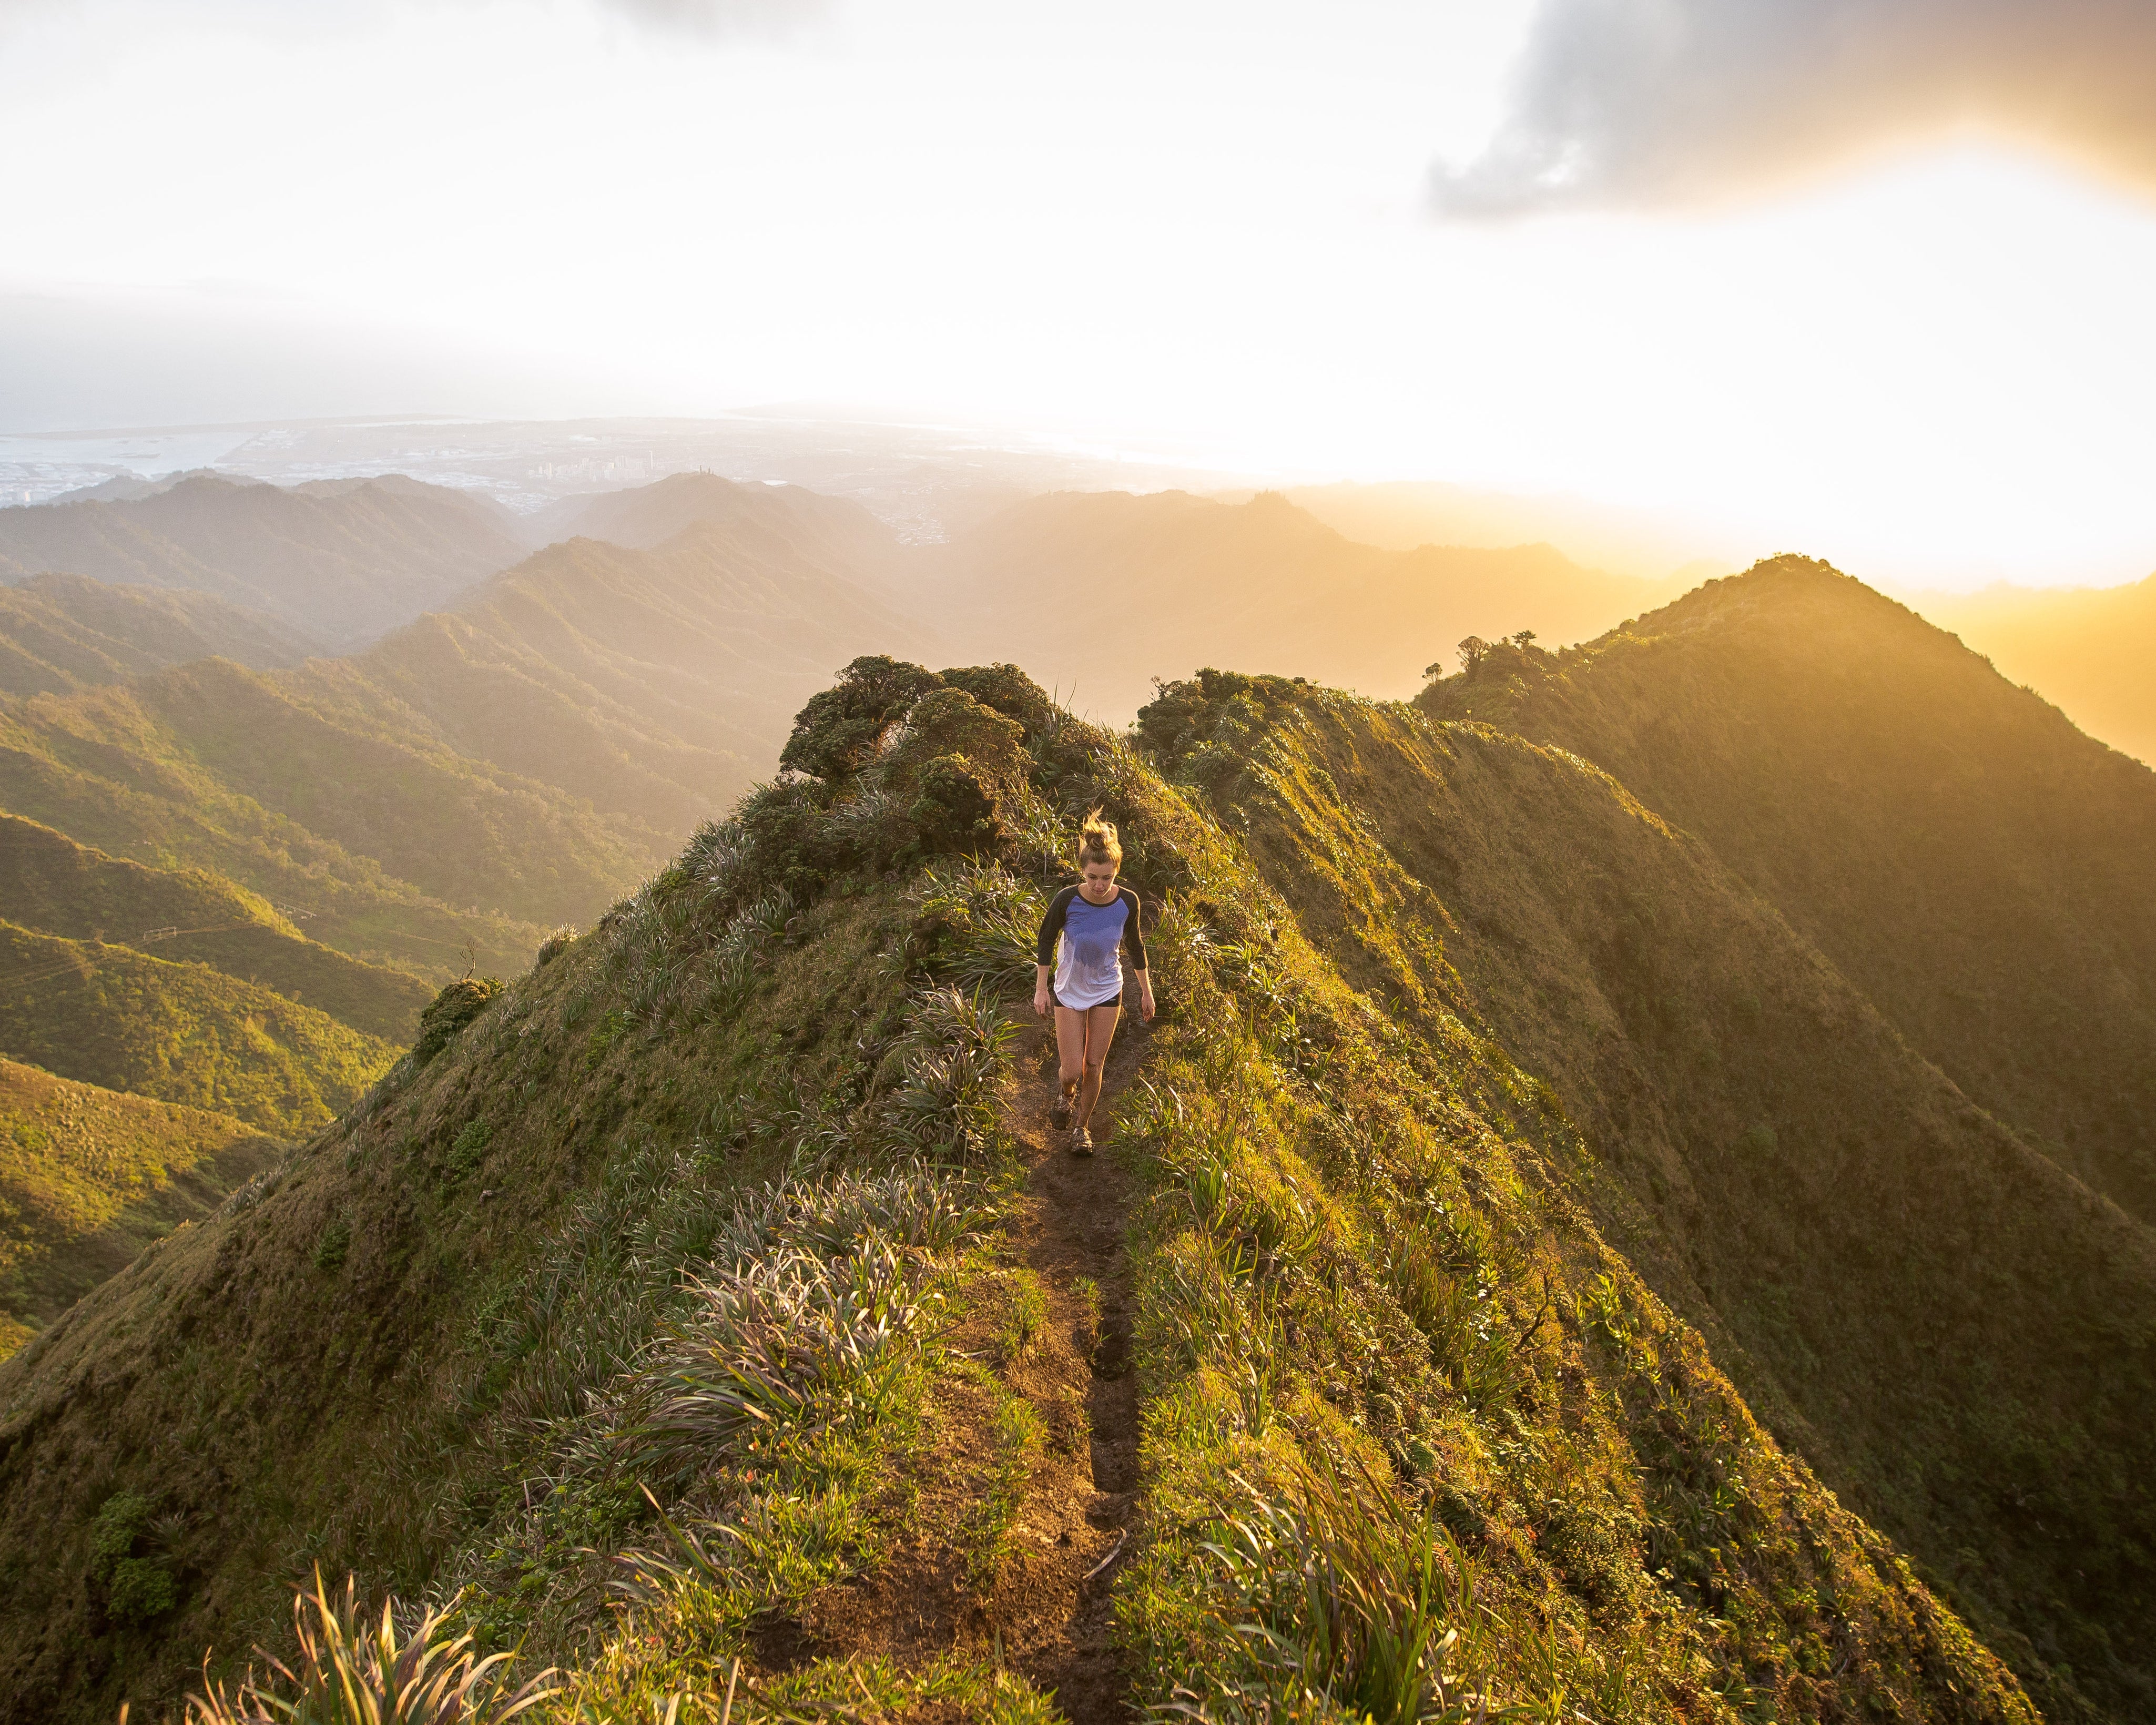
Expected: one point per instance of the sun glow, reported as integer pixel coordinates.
(1209, 231)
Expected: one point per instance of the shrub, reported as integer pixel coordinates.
(468, 1149)
(1010, 691)
(556, 943)
(135, 1588)
(954, 809)
(450, 1012)
(842, 728)
(352, 1672)
(336, 1241)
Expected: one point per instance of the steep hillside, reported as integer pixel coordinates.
(723, 1257)
(64, 632)
(341, 563)
(1100, 592)
(2088, 650)
(1960, 1337)
(1969, 859)
(212, 766)
(89, 1177)
(656, 684)
(50, 884)
(123, 1021)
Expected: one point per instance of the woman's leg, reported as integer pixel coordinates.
(1100, 1031)
(1070, 1050)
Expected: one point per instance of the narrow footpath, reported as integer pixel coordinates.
(1044, 1612)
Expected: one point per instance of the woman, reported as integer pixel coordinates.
(1097, 922)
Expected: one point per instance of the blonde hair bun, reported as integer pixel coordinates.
(1097, 841)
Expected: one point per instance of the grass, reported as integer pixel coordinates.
(179, 1033)
(350, 1669)
(674, 1385)
(1609, 953)
(55, 886)
(88, 1177)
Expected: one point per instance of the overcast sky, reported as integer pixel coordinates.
(1866, 278)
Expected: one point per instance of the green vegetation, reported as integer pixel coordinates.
(102, 769)
(54, 886)
(64, 632)
(89, 1178)
(1974, 864)
(692, 1260)
(337, 560)
(1947, 1328)
(113, 1017)
(352, 1672)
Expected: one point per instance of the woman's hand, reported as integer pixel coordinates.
(1040, 1001)
(1145, 999)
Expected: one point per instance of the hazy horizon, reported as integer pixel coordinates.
(1876, 302)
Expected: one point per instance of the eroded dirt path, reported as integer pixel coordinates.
(1072, 1231)
(1044, 1612)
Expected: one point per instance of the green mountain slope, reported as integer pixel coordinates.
(212, 766)
(1971, 860)
(1958, 1335)
(64, 632)
(2086, 649)
(341, 561)
(89, 1177)
(122, 1020)
(655, 683)
(737, 1202)
(1100, 592)
(50, 884)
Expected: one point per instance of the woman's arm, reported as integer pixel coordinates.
(1044, 949)
(1134, 948)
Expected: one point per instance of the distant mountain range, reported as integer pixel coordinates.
(1098, 593)
(340, 560)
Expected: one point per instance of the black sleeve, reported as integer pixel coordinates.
(1133, 934)
(1051, 925)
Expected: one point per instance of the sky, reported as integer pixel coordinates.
(1866, 278)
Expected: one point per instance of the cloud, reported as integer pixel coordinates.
(1647, 102)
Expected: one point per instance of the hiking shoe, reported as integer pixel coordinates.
(1059, 1116)
(1082, 1142)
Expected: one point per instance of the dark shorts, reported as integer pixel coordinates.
(1095, 1007)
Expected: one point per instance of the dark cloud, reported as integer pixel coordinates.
(1661, 101)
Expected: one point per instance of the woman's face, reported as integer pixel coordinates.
(1098, 881)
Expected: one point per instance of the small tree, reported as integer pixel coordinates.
(1472, 652)
(1524, 640)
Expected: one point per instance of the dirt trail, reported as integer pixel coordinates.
(1040, 1615)
(1075, 1210)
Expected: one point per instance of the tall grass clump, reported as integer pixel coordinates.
(353, 1669)
(1342, 1598)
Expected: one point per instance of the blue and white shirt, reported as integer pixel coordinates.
(1089, 971)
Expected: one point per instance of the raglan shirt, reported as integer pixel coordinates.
(1089, 972)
